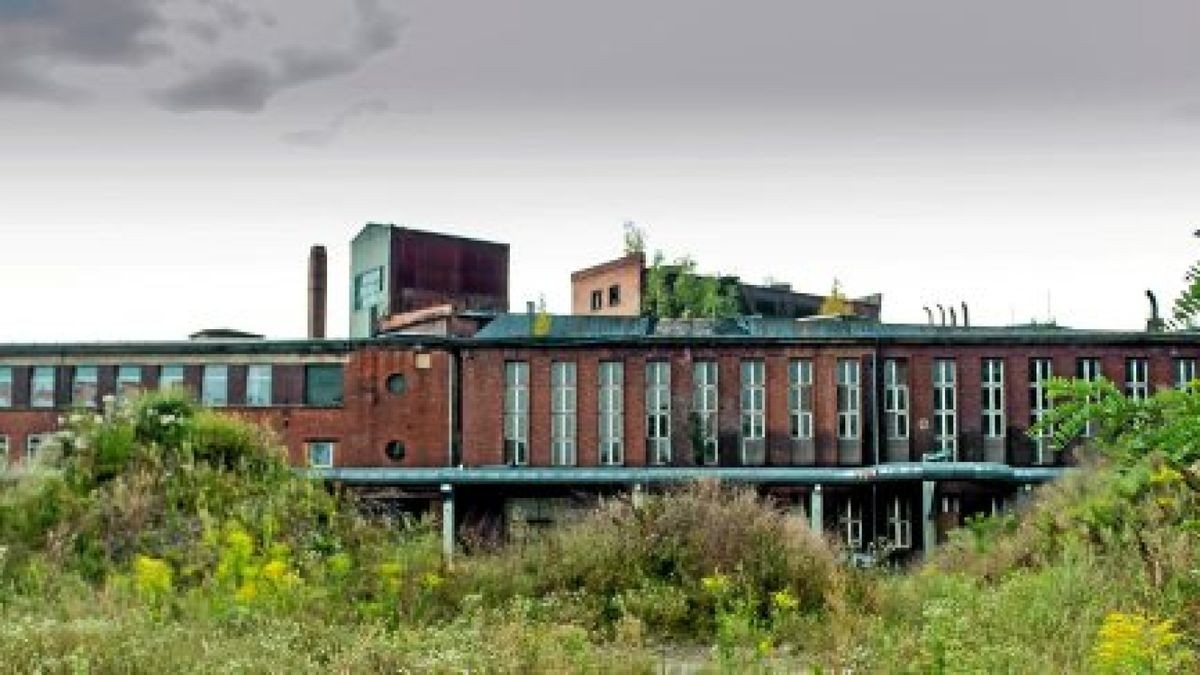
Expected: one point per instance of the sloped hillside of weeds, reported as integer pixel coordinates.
(168, 538)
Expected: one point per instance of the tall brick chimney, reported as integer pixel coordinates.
(318, 292)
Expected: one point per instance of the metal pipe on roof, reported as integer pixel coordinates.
(953, 316)
(928, 313)
(966, 315)
(942, 311)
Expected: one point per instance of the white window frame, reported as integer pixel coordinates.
(612, 413)
(993, 403)
(899, 523)
(1040, 370)
(5, 451)
(753, 403)
(563, 416)
(1183, 370)
(1089, 369)
(658, 412)
(260, 385)
(945, 407)
(33, 446)
(6, 387)
(172, 376)
(849, 399)
(706, 398)
(82, 377)
(850, 521)
(516, 413)
(895, 399)
(214, 385)
(1137, 378)
(34, 400)
(800, 402)
(330, 447)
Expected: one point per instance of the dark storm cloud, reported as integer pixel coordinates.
(246, 86)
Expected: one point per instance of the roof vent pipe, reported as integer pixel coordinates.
(953, 316)
(1155, 322)
(942, 312)
(966, 315)
(928, 313)
(318, 292)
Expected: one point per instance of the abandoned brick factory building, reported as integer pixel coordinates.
(441, 399)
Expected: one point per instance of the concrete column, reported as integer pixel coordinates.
(928, 522)
(816, 509)
(448, 531)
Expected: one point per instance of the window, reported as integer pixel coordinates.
(1183, 370)
(658, 412)
(171, 377)
(800, 404)
(33, 445)
(704, 410)
(1088, 370)
(899, 523)
(754, 417)
(368, 289)
(895, 398)
(562, 413)
(614, 296)
(214, 391)
(1137, 381)
(85, 387)
(129, 382)
(320, 454)
(1040, 371)
(3, 451)
(258, 386)
(516, 413)
(41, 387)
(850, 521)
(992, 379)
(323, 385)
(612, 415)
(6, 388)
(597, 301)
(848, 393)
(945, 415)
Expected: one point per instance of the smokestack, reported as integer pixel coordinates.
(318, 292)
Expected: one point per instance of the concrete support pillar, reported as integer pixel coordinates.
(448, 531)
(638, 496)
(928, 517)
(816, 509)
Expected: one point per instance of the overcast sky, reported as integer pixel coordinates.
(165, 164)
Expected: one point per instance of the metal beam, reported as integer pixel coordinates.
(503, 475)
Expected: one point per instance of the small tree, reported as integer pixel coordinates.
(635, 238)
(676, 290)
(836, 304)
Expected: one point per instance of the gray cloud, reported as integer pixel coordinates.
(238, 86)
(315, 138)
(247, 87)
(38, 35)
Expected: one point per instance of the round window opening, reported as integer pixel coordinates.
(397, 384)
(395, 451)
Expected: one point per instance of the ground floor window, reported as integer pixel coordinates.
(320, 454)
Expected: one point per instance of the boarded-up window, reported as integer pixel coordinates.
(323, 385)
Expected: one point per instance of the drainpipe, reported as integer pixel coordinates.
(876, 432)
(453, 406)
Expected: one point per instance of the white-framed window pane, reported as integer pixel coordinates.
(945, 413)
(41, 387)
(1137, 379)
(214, 390)
(704, 409)
(895, 398)
(562, 413)
(320, 454)
(516, 412)
(1184, 372)
(1040, 371)
(899, 523)
(612, 413)
(848, 398)
(259, 385)
(85, 387)
(6, 387)
(993, 398)
(658, 412)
